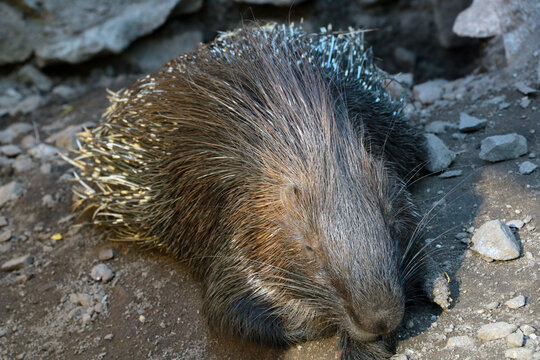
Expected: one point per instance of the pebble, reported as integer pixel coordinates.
(28, 142)
(3, 221)
(106, 254)
(64, 92)
(31, 75)
(468, 123)
(495, 241)
(518, 224)
(460, 341)
(18, 263)
(493, 305)
(10, 191)
(26, 106)
(3, 332)
(439, 156)
(524, 88)
(101, 272)
(439, 127)
(519, 353)
(22, 164)
(517, 302)
(108, 337)
(10, 150)
(48, 201)
(399, 357)
(43, 152)
(496, 330)
(527, 167)
(86, 318)
(430, 91)
(527, 329)
(451, 174)
(85, 300)
(515, 340)
(503, 147)
(525, 102)
(5, 235)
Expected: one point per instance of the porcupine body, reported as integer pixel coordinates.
(273, 163)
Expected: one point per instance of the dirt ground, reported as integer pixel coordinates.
(151, 309)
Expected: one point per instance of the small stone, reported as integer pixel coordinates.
(48, 201)
(18, 263)
(439, 127)
(518, 224)
(21, 279)
(28, 142)
(399, 357)
(532, 155)
(439, 156)
(525, 102)
(22, 163)
(3, 221)
(106, 254)
(74, 298)
(494, 241)
(75, 314)
(85, 300)
(496, 330)
(460, 341)
(516, 303)
(5, 235)
(43, 152)
(468, 123)
(493, 305)
(45, 168)
(101, 272)
(504, 105)
(142, 318)
(6, 137)
(10, 150)
(108, 337)
(527, 219)
(527, 330)
(515, 340)
(10, 191)
(519, 353)
(31, 75)
(86, 318)
(527, 167)
(66, 139)
(26, 106)
(450, 174)
(3, 332)
(64, 92)
(524, 88)
(430, 91)
(503, 147)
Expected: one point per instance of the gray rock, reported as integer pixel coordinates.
(114, 26)
(6, 136)
(85, 300)
(3, 221)
(106, 254)
(429, 92)
(66, 139)
(17, 263)
(26, 106)
(450, 174)
(480, 20)
(22, 164)
(527, 167)
(468, 123)
(527, 329)
(10, 150)
(64, 92)
(5, 166)
(29, 141)
(493, 305)
(439, 156)
(524, 88)
(460, 341)
(30, 75)
(5, 235)
(10, 191)
(48, 201)
(519, 353)
(439, 127)
(16, 40)
(503, 147)
(43, 152)
(518, 224)
(494, 241)
(516, 302)
(515, 340)
(101, 272)
(149, 54)
(496, 330)
(20, 128)
(524, 102)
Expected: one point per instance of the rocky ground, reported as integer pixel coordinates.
(66, 292)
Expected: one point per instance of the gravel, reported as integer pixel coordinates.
(495, 241)
(496, 331)
(503, 147)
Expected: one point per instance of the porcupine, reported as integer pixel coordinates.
(274, 164)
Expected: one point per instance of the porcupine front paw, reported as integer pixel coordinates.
(437, 285)
(376, 350)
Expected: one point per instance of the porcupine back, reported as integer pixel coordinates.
(197, 158)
